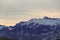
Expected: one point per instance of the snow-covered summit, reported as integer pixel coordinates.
(45, 21)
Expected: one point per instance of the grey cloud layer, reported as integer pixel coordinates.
(22, 7)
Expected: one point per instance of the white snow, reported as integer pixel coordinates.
(45, 21)
(10, 28)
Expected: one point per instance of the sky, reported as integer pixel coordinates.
(14, 11)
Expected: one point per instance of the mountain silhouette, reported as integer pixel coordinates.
(34, 29)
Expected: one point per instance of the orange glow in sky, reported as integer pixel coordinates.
(14, 11)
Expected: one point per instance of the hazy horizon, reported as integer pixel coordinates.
(14, 11)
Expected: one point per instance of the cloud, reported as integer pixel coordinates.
(26, 9)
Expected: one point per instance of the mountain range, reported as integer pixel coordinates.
(34, 29)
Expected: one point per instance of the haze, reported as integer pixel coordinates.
(14, 11)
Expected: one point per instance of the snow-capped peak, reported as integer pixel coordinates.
(45, 21)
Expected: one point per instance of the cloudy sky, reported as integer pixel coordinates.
(13, 11)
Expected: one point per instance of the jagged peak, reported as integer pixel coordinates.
(44, 21)
(46, 17)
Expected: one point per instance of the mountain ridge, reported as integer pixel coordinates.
(34, 29)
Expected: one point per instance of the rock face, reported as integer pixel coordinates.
(34, 29)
